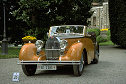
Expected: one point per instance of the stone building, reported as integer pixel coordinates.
(100, 17)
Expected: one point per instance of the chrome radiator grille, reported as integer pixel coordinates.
(52, 48)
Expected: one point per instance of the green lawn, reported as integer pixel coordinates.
(13, 52)
(106, 43)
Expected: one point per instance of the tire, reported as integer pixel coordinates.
(29, 70)
(78, 69)
(96, 58)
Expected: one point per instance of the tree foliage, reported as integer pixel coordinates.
(37, 16)
(97, 1)
(14, 28)
(53, 11)
(41, 14)
(117, 10)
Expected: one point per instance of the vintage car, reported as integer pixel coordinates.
(66, 45)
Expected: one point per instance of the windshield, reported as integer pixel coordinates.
(66, 30)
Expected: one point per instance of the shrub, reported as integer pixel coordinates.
(101, 39)
(108, 35)
(96, 30)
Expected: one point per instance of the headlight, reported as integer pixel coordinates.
(39, 44)
(63, 44)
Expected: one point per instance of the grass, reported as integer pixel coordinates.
(106, 43)
(13, 52)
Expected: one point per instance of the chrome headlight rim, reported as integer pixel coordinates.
(63, 44)
(39, 44)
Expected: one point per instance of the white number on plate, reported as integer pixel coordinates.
(46, 67)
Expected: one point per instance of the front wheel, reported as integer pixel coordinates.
(29, 70)
(78, 69)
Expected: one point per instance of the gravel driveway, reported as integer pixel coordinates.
(111, 69)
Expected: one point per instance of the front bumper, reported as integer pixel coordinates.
(49, 62)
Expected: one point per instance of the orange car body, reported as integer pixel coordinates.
(66, 45)
(72, 52)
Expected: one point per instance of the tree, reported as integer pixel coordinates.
(97, 1)
(41, 14)
(117, 12)
(14, 28)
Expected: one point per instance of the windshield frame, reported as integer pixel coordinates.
(53, 33)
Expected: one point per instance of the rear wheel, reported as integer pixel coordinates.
(29, 70)
(96, 59)
(78, 69)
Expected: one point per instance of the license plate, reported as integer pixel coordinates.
(46, 67)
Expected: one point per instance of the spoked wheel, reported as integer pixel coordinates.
(78, 69)
(29, 70)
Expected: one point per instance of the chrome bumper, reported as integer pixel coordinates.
(50, 62)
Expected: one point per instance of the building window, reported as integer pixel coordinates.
(94, 21)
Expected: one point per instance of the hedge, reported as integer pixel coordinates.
(117, 14)
(96, 30)
(101, 39)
